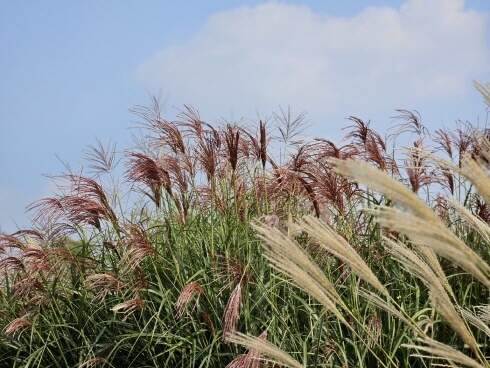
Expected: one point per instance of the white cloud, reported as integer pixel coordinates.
(255, 59)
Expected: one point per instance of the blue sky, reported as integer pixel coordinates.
(71, 70)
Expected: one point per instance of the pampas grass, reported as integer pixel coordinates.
(429, 237)
(334, 255)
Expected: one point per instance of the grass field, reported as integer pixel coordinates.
(248, 245)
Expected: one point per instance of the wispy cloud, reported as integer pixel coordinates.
(256, 58)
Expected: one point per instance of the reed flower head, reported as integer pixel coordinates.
(103, 284)
(232, 312)
(16, 325)
(266, 349)
(289, 258)
(191, 289)
(139, 248)
(128, 307)
(27, 286)
(251, 359)
(85, 204)
(151, 172)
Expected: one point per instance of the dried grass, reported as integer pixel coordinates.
(285, 255)
(331, 241)
(265, 348)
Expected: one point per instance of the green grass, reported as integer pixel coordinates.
(175, 263)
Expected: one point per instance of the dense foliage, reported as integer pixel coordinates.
(166, 267)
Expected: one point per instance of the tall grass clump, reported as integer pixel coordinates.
(248, 245)
(442, 252)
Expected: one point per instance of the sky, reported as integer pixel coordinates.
(70, 71)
